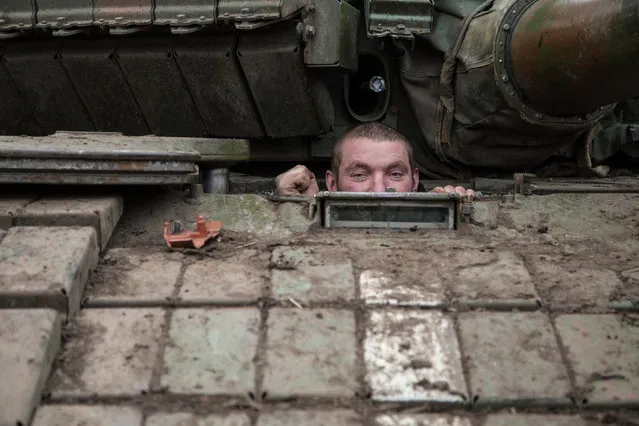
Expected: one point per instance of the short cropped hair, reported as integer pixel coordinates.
(375, 131)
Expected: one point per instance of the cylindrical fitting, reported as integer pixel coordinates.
(570, 57)
(215, 181)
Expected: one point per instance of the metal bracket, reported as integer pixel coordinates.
(245, 12)
(64, 14)
(181, 13)
(331, 31)
(398, 210)
(401, 19)
(106, 13)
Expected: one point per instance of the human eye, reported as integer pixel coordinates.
(397, 175)
(358, 175)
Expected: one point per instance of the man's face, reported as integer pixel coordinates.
(371, 166)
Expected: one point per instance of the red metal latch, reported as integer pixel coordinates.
(204, 232)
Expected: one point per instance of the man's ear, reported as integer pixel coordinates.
(415, 179)
(331, 182)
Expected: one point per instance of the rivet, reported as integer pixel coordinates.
(512, 93)
(505, 79)
(501, 44)
(180, 16)
(501, 61)
(506, 27)
(538, 115)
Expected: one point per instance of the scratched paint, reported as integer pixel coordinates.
(413, 356)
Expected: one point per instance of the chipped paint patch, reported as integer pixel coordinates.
(378, 288)
(413, 356)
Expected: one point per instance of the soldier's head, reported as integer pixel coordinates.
(372, 157)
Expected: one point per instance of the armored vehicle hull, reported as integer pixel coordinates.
(475, 85)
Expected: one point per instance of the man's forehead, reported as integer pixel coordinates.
(364, 145)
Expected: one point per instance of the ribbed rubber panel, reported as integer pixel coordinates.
(285, 112)
(215, 78)
(219, 84)
(152, 71)
(44, 83)
(95, 72)
(15, 117)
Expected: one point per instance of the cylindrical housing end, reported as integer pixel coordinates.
(570, 57)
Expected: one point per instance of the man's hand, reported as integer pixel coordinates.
(297, 181)
(455, 189)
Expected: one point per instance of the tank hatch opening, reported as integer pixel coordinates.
(367, 92)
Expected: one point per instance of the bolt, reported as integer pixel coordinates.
(2, 21)
(506, 27)
(118, 18)
(538, 115)
(245, 11)
(311, 7)
(505, 79)
(180, 16)
(377, 84)
(310, 31)
(401, 27)
(202, 18)
(60, 18)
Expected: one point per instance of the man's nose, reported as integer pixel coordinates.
(379, 184)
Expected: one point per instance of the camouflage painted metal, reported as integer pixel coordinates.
(64, 13)
(185, 12)
(123, 13)
(331, 34)
(500, 85)
(16, 15)
(249, 14)
(571, 57)
(399, 19)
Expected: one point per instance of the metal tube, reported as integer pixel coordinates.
(570, 57)
(215, 181)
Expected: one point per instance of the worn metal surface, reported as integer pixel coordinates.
(242, 11)
(399, 18)
(572, 57)
(73, 178)
(113, 146)
(64, 13)
(389, 210)
(331, 32)
(185, 12)
(123, 12)
(17, 15)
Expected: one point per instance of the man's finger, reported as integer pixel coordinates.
(438, 189)
(449, 188)
(460, 190)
